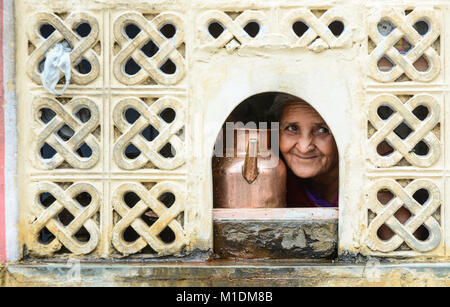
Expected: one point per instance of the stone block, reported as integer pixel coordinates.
(282, 239)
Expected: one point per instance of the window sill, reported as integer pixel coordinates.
(286, 233)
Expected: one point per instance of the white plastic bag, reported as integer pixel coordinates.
(57, 61)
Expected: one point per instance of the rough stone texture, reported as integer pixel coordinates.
(2, 276)
(275, 239)
(235, 274)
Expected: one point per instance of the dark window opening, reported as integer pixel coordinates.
(421, 27)
(252, 29)
(84, 151)
(45, 236)
(167, 198)
(168, 30)
(336, 27)
(84, 115)
(149, 218)
(215, 29)
(47, 152)
(300, 28)
(421, 149)
(46, 199)
(131, 199)
(84, 199)
(131, 67)
(384, 112)
(46, 30)
(82, 235)
(65, 217)
(47, 115)
(132, 152)
(131, 115)
(403, 130)
(168, 151)
(84, 67)
(421, 112)
(168, 67)
(65, 133)
(167, 235)
(168, 115)
(150, 133)
(83, 29)
(384, 148)
(150, 49)
(130, 235)
(132, 30)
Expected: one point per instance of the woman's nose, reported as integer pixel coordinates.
(304, 144)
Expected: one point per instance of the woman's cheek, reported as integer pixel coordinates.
(326, 146)
(284, 144)
(329, 153)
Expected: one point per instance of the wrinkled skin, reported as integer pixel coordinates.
(309, 148)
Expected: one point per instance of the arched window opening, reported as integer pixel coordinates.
(275, 169)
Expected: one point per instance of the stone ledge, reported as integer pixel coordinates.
(297, 233)
(234, 274)
(275, 239)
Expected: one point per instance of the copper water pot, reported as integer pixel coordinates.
(249, 175)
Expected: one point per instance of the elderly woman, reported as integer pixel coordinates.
(310, 152)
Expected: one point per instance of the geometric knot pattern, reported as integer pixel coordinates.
(403, 28)
(149, 150)
(150, 66)
(48, 217)
(81, 47)
(231, 29)
(149, 235)
(317, 28)
(65, 115)
(421, 130)
(421, 215)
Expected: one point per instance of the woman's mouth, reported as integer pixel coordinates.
(306, 157)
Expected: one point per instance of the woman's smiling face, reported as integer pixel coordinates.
(306, 142)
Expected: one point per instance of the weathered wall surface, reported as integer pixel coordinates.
(166, 56)
(339, 75)
(231, 274)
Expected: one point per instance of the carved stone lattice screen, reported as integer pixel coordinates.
(105, 162)
(406, 131)
(120, 164)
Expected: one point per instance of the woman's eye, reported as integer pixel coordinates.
(323, 130)
(291, 128)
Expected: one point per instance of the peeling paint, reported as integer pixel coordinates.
(231, 274)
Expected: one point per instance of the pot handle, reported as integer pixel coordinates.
(250, 170)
